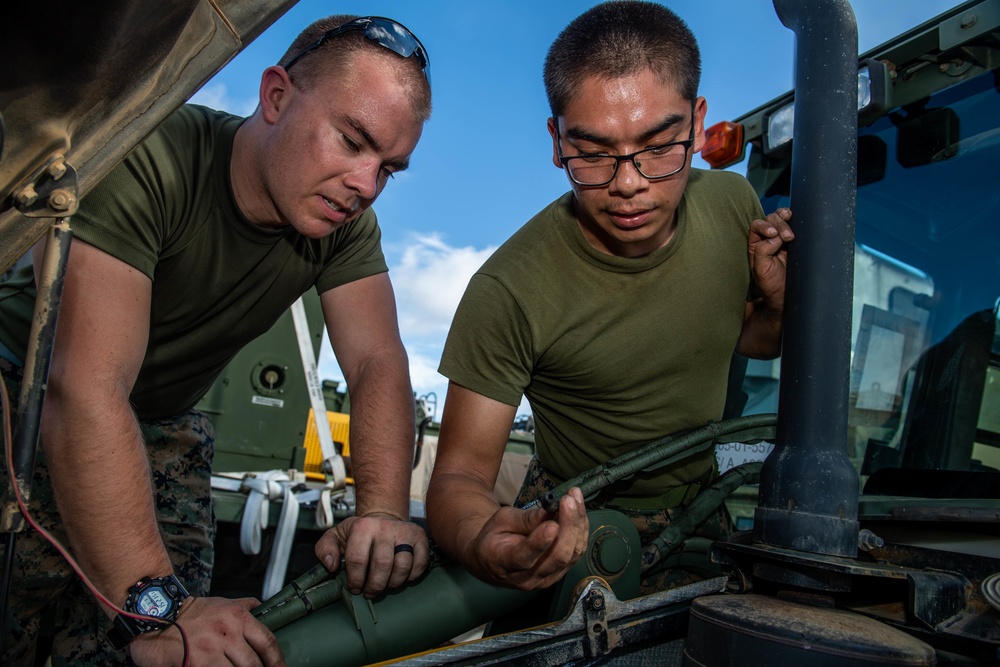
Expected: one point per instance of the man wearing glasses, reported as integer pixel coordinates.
(615, 310)
(191, 248)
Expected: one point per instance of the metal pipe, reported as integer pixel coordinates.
(809, 487)
(34, 378)
(39, 354)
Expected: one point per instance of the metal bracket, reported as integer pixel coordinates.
(599, 641)
(51, 193)
(598, 624)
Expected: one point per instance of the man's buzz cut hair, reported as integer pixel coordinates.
(619, 38)
(337, 53)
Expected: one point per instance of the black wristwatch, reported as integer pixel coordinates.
(161, 597)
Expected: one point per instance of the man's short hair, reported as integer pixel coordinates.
(337, 53)
(619, 38)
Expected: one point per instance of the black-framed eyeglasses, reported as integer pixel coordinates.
(391, 34)
(652, 163)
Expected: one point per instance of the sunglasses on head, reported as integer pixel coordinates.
(385, 32)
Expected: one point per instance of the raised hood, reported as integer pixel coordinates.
(81, 83)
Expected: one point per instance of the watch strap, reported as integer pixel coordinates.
(121, 633)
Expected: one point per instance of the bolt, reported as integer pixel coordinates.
(969, 20)
(867, 540)
(60, 200)
(26, 197)
(944, 67)
(57, 169)
(596, 601)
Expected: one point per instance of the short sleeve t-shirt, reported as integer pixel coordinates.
(219, 281)
(611, 352)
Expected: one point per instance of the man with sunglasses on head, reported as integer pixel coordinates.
(615, 311)
(191, 248)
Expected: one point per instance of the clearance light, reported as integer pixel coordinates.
(779, 128)
(723, 144)
(864, 88)
(873, 101)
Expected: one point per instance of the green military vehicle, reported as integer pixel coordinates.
(870, 532)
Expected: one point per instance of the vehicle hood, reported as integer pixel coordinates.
(86, 81)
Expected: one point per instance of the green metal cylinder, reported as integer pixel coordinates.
(445, 603)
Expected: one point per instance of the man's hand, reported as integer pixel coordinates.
(529, 549)
(767, 244)
(769, 256)
(219, 632)
(374, 551)
(505, 546)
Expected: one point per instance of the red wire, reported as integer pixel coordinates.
(9, 449)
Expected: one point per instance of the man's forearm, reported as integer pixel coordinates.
(382, 437)
(761, 334)
(100, 476)
(458, 507)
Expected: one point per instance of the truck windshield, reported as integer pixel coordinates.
(925, 367)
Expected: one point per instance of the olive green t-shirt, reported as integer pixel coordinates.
(611, 352)
(219, 280)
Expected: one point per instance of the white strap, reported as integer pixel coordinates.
(324, 509)
(223, 482)
(312, 382)
(262, 487)
(338, 471)
(277, 565)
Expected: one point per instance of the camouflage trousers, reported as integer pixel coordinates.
(46, 592)
(685, 566)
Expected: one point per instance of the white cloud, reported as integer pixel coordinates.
(216, 96)
(424, 375)
(429, 281)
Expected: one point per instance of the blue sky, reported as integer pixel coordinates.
(483, 166)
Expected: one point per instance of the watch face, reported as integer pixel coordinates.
(153, 603)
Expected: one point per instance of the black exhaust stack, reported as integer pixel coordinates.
(808, 485)
(805, 540)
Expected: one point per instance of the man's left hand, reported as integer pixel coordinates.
(375, 553)
(767, 245)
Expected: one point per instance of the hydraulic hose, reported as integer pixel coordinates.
(312, 591)
(684, 523)
(671, 449)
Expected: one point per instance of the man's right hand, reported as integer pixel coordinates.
(219, 632)
(529, 549)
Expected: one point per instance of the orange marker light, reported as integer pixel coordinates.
(723, 144)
